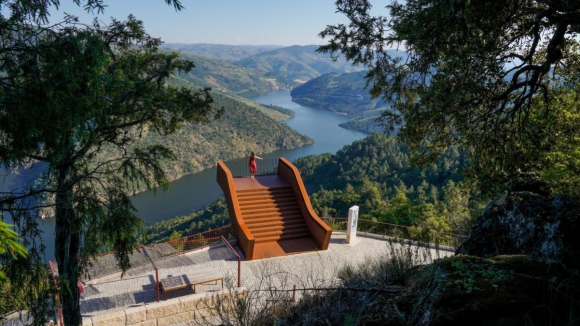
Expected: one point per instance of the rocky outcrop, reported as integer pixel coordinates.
(503, 290)
(519, 265)
(527, 223)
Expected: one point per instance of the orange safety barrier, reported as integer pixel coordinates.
(246, 240)
(319, 230)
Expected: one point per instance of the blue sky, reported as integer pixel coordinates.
(280, 22)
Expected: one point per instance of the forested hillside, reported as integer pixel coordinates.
(341, 93)
(220, 51)
(229, 77)
(241, 129)
(298, 63)
(375, 174)
(344, 94)
(215, 215)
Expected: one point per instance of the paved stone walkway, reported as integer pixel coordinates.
(306, 270)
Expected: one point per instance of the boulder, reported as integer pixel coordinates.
(528, 223)
(503, 290)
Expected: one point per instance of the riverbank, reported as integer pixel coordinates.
(193, 192)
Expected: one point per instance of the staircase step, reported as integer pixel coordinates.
(272, 214)
(267, 227)
(269, 210)
(261, 201)
(254, 193)
(265, 196)
(273, 189)
(280, 235)
(258, 234)
(251, 193)
(277, 220)
(288, 218)
(273, 206)
(285, 237)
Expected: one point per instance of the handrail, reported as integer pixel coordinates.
(245, 238)
(394, 225)
(199, 240)
(239, 260)
(398, 231)
(240, 167)
(203, 234)
(320, 231)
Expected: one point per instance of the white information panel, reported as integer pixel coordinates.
(351, 226)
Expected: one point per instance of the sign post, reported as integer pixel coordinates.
(351, 226)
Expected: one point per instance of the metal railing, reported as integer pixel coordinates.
(240, 167)
(199, 240)
(105, 264)
(239, 259)
(398, 231)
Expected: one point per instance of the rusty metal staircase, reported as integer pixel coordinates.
(271, 214)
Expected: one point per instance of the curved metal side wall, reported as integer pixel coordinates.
(245, 238)
(319, 230)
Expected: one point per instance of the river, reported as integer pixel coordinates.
(194, 191)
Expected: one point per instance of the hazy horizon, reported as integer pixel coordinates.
(228, 22)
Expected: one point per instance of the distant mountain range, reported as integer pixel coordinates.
(221, 51)
(252, 70)
(298, 63)
(316, 80)
(229, 77)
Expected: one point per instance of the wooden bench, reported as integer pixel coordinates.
(191, 279)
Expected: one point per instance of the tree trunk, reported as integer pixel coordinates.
(67, 245)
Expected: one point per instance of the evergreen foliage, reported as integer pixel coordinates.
(68, 93)
(215, 215)
(9, 245)
(497, 78)
(375, 173)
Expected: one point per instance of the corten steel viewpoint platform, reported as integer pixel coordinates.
(271, 214)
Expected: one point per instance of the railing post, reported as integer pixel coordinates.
(240, 167)
(157, 283)
(294, 293)
(239, 272)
